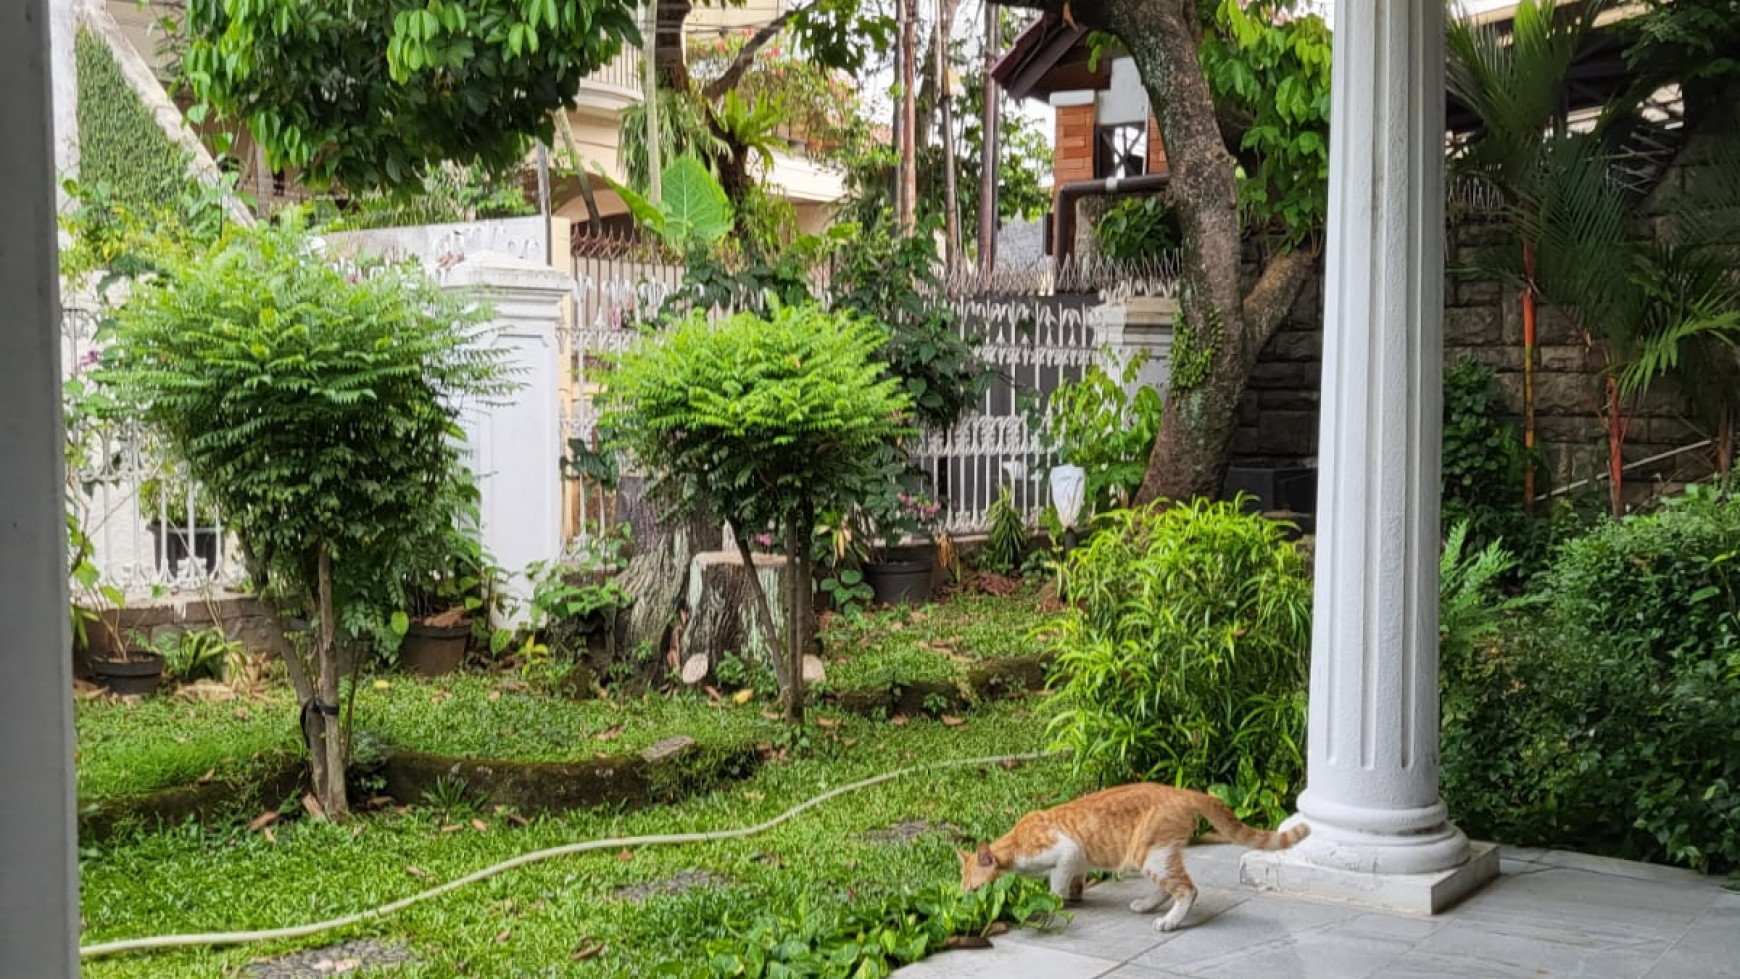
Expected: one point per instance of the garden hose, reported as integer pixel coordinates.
(302, 931)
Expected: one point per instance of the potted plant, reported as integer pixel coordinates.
(164, 503)
(448, 602)
(125, 665)
(893, 516)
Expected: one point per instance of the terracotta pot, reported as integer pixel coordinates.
(138, 674)
(433, 650)
(901, 582)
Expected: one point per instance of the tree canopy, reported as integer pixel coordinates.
(373, 93)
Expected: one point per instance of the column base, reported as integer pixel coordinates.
(1291, 872)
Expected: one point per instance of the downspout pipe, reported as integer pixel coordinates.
(1071, 194)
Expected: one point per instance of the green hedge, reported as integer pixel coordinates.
(1610, 726)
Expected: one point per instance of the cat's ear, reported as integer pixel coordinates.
(964, 856)
(986, 859)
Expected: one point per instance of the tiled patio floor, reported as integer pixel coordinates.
(1549, 914)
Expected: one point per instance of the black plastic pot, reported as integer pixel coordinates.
(901, 582)
(138, 674)
(173, 546)
(434, 651)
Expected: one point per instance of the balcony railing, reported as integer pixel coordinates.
(623, 73)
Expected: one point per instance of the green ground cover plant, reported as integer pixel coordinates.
(535, 922)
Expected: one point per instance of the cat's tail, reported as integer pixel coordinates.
(1228, 827)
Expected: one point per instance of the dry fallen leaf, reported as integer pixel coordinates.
(208, 776)
(587, 950)
(967, 941)
(770, 715)
(517, 819)
(827, 722)
(418, 872)
(480, 825)
(494, 695)
(949, 720)
(742, 697)
(503, 935)
(897, 720)
(610, 733)
(270, 836)
(262, 821)
(313, 806)
(625, 855)
(454, 828)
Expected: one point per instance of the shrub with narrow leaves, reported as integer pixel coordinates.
(1183, 658)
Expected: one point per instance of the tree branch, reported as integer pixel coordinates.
(1272, 297)
(717, 88)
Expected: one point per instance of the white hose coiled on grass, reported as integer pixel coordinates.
(216, 938)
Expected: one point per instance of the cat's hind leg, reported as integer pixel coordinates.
(1152, 867)
(1165, 867)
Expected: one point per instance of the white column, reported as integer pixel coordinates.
(63, 30)
(38, 876)
(1379, 831)
(516, 446)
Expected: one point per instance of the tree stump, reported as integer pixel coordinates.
(722, 612)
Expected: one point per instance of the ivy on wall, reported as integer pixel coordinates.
(121, 147)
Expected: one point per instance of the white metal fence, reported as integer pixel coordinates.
(1036, 330)
(151, 530)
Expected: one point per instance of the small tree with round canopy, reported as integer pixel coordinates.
(761, 421)
(319, 409)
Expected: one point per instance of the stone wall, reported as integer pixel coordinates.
(242, 618)
(1483, 320)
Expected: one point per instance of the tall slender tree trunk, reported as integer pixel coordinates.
(328, 751)
(908, 116)
(1725, 443)
(988, 152)
(797, 583)
(1528, 396)
(1615, 448)
(945, 18)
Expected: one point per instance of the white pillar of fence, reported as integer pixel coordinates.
(516, 445)
(1139, 326)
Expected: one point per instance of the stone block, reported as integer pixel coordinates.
(1272, 374)
(1296, 346)
(1553, 326)
(1563, 358)
(1575, 429)
(1499, 358)
(1565, 394)
(1284, 872)
(1472, 325)
(1287, 434)
(1480, 232)
(1285, 400)
(1478, 292)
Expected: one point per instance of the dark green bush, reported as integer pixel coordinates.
(1484, 459)
(1184, 658)
(1611, 725)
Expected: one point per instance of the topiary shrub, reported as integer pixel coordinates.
(762, 422)
(1610, 726)
(1183, 658)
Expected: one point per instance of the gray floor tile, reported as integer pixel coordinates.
(1710, 947)
(1257, 923)
(1105, 927)
(1141, 972)
(1507, 949)
(1009, 960)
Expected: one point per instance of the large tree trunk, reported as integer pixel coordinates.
(1221, 328)
(657, 575)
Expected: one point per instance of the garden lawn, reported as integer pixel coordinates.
(127, 749)
(903, 647)
(534, 921)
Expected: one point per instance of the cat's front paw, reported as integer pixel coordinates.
(1166, 924)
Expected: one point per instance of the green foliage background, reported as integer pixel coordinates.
(121, 147)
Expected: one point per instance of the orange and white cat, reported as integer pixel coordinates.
(1142, 825)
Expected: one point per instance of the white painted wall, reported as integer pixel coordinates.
(1125, 100)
